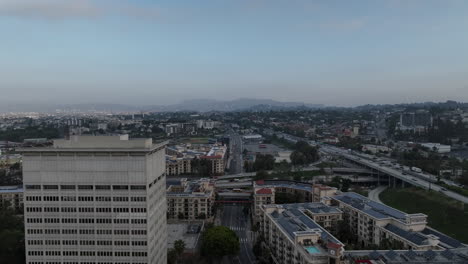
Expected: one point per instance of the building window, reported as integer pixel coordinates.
(138, 187)
(85, 187)
(85, 198)
(67, 187)
(50, 187)
(33, 187)
(103, 199)
(120, 199)
(120, 187)
(103, 187)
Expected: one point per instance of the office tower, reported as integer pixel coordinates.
(95, 199)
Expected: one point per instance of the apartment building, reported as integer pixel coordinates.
(294, 237)
(190, 199)
(266, 190)
(11, 196)
(447, 256)
(178, 166)
(262, 195)
(375, 224)
(95, 200)
(217, 157)
(321, 193)
(179, 158)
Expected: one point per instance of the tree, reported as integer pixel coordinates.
(11, 237)
(264, 162)
(219, 241)
(282, 168)
(179, 247)
(261, 175)
(304, 154)
(298, 158)
(171, 256)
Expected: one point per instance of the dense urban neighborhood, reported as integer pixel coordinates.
(371, 184)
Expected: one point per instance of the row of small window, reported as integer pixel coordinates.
(84, 232)
(84, 221)
(88, 253)
(84, 210)
(86, 242)
(84, 187)
(84, 199)
(156, 180)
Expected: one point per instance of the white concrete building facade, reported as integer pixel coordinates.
(95, 200)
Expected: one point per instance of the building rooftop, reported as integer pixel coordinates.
(188, 232)
(285, 184)
(11, 189)
(99, 143)
(459, 255)
(374, 209)
(293, 220)
(184, 188)
(264, 191)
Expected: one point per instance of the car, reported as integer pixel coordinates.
(443, 189)
(414, 179)
(404, 173)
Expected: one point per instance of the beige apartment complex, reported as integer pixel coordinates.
(265, 192)
(294, 237)
(375, 223)
(190, 199)
(179, 158)
(301, 233)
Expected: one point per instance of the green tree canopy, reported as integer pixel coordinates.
(219, 241)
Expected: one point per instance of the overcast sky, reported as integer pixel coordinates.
(159, 52)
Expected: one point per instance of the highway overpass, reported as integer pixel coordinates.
(392, 173)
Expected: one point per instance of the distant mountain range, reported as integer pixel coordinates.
(207, 105)
(197, 105)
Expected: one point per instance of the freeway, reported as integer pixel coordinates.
(393, 172)
(233, 184)
(234, 218)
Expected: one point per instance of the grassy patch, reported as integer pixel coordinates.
(444, 214)
(456, 189)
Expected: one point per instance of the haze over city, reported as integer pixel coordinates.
(233, 131)
(154, 53)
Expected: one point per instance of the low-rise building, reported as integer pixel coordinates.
(189, 199)
(11, 196)
(179, 158)
(178, 166)
(265, 192)
(377, 224)
(294, 237)
(262, 195)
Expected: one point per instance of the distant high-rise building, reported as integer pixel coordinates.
(417, 121)
(95, 200)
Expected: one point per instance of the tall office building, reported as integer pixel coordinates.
(97, 200)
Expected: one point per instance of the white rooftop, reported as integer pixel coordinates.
(109, 142)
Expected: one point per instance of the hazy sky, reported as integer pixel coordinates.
(160, 52)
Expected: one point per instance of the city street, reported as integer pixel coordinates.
(234, 218)
(236, 154)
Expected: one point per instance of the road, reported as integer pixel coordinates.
(374, 194)
(234, 218)
(235, 145)
(393, 172)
